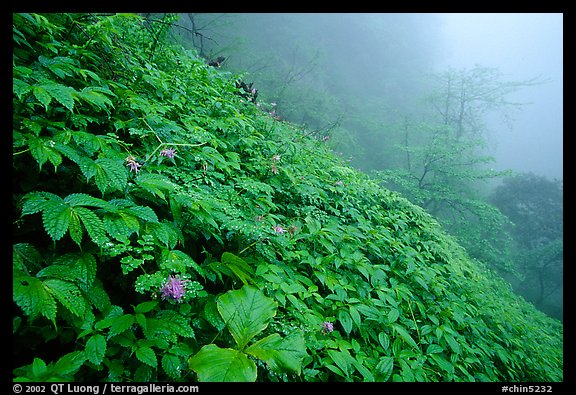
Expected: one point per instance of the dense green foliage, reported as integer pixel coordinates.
(165, 228)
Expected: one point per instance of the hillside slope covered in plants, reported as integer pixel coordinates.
(168, 228)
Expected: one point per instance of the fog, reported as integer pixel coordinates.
(441, 108)
(522, 46)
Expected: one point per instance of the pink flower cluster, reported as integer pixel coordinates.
(134, 165)
(168, 152)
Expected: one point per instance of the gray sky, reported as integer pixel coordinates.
(522, 46)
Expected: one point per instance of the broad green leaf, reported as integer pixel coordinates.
(146, 307)
(56, 218)
(281, 354)
(239, 267)
(147, 355)
(213, 363)
(33, 297)
(178, 261)
(95, 349)
(68, 294)
(343, 359)
(393, 315)
(39, 368)
(384, 368)
(434, 349)
(405, 335)
(246, 313)
(345, 321)
(171, 365)
(384, 340)
(69, 363)
(120, 324)
(452, 343)
(355, 316)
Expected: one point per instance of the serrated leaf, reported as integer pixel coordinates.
(94, 96)
(246, 313)
(147, 356)
(155, 184)
(35, 202)
(178, 261)
(68, 294)
(213, 363)
(142, 212)
(25, 257)
(75, 228)
(56, 219)
(96, 349)
(32, 296)
(98, 297)
(61, 93)
(42, 95)
(171, 365)
(121, 324)
(93, 225)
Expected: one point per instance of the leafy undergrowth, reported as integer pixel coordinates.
(167, 228)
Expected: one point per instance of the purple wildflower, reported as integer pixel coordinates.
(280, 230)
(327, 327)
(169, 153)
(174, 289)
(134, 166)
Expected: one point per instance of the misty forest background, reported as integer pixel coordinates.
(368, 84)
(272, 197)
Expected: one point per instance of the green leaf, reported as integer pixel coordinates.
(33, 297)
(405, 335)
(147, 355)
(171, 364)
(345, 321)
(434, 349)
(69, 363)
(42, 95)
(56, 219)
(178, 261)
(281, 354)
(246, 313)
(62, 94)
(39, 368)
(213, 363)
(68, 294)
(95, 349)
(146, 307)
(239, 267)
(93, 225)
(452, 343)
(121, 324)
(393, 315)
(342, 359)
(384, 369)
(384, 340)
